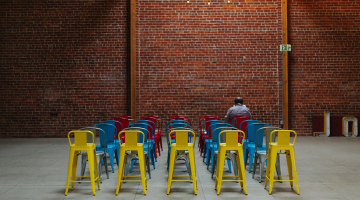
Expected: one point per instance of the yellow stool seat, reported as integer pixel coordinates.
(283, 143)
(132, 144)
(181, 145)
(80, 144)
(231, 145)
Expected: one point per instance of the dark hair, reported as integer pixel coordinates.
(238, 100)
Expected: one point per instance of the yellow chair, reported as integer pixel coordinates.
(283, 143)
(226, 147)
(132, 144)
(81, 144)
(182, 145)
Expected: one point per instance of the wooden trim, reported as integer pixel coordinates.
(285, 67)
(133, 57)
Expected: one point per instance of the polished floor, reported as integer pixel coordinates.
(328, 168)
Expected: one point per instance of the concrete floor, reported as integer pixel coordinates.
(328, 168)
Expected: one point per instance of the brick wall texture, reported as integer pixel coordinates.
(66, 64)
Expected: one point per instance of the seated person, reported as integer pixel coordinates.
(237, 109)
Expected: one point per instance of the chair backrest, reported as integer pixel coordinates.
(80, 138)
(251, 130)
(204, 118)
(153, 119)
(268, 140)
(143, 125)
(216, 129)
(158, 121)
(108, 137)
(207, 126)
(182, 136)
(119, 126)
(177, 124)
(132, 136)
(93, 130)
(151, 128)
(124, 120)
(283, 138)
(240, 118)
(180, 117)
(231, 137)
(247, 123)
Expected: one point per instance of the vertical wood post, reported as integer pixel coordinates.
(133, 58)
(285, 66)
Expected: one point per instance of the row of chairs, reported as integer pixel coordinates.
(111, 139)
(218, 142)
(252, 143)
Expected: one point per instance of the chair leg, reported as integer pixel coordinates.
(221, 170)
(106, 165)
(111, 157)
(208, 157)
(91, 159)
(251, 158)
(147, 161)
(289, 164)
(245, 155)
(161, 143)
(193, 168)
(74, 168)
(254, 167)
(272, 169)
(292, 155)
(171, 168)
(234, 163)
(229, 163)
(205, 150)
(99, 165)
(142, 170)
(83, 164)
(242, 171)
(214, 167)
(278, 171)
(71, 160)
(120, 170)
(212, 161)
(261, 169)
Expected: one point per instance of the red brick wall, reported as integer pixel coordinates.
(195, 58)
(65, 64)
(324, 62)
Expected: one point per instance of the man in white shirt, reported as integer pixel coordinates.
(236, 110)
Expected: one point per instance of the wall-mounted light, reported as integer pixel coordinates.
(188, 1)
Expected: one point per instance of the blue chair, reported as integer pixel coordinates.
(107, 139)
(206, 126)
(251, 146)
(119, 127)
(151, 135)
(214, 145)
(148, 147)
(245, 140)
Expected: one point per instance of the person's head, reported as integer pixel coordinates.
(238, 100)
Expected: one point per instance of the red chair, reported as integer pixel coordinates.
(203, 129)
(155, 119)
(238, 121)
(158, 131)
(180, 117)
(124, 120)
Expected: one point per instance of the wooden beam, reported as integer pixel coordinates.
(285, 66)
(133, 58)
